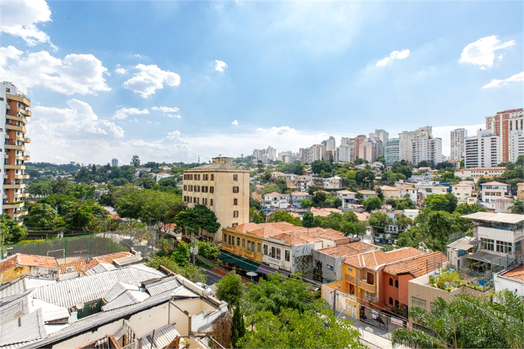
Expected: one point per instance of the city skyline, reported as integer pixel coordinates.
(202, 79)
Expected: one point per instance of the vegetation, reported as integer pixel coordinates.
(188, 271)
(197, 219)
(467, 321)
(372, 203)
(283, 216)
(10, 231)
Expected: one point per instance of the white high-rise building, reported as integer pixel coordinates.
(516, 145)
(391, 151)
(330, 143)
(379, 135)
(419, 145)
(457, 144)
(483, 150)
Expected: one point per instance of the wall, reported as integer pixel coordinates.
(504, 283)
(243, 251)
(22, 270)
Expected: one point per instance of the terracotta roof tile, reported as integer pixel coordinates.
(348, 249)
(77, 266)
(371, 260)
(516, 273)
(324, 212)
(28, 260)
(494, 183)
(417, 266)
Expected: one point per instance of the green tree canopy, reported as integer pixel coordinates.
(198, 218)
(230, 288)
(319, 166)
(10, 231)
(42, 216)
(283, 216)
(308, 220)
(441, 202)
(372, 203)
(379, 221)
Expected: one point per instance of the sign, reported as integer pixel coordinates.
(374, 314)
(397, 322)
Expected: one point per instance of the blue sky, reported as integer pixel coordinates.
(172, 80)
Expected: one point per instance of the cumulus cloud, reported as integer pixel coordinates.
(235, 123)
(392, 56)
(20, 18)
(124, 113)
(482, 51)
(170, 112)
(150, 78)
(76, 73)
(121, 71)
(220, 66)
(501, 82)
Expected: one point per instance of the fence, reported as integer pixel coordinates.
(89, 245)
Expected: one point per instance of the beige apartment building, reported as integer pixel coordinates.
(463, 192)
(15, 109)
(221, 187)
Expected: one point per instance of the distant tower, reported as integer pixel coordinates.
(114, 162)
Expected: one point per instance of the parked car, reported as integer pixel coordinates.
(383, 241)
(390, 241)
(376, 239)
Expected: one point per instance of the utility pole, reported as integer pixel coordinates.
(335, 300)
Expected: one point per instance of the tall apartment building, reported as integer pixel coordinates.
(379, 135)
(457, 144)
(483, 150)
(358, 141)
(265, 155)
(114, 162)
(392, 151)
(366, 151)
(330, 143)
(221, 187)
(516, 145)
(502, 124)
(419, 145)
(12, 125)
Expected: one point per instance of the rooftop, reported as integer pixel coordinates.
(516, 273)
(509, 218)
(27, 260)
(417, 266)
(349, 249)
(494, 183)
(373, 259)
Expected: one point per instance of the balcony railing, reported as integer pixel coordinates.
(274, 261)
(367, 287)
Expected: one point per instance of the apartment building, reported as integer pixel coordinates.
(463, 192)
(392, 151)
(502, 124)
(12, 126)
(298, 196)
(491, 192)
(277, 200)
(516, 145)
(458, 143)
(483, 150)
(221, 187)
(476, 172)
(348, 198)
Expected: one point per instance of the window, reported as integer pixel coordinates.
(487, 244)
(235, 177)
(265, 250)
(212, 177)
(185, 187)
(204, 201)
(197, 188)
(390, 281)
(205, 189)
(278, 254)
(205, 177)
(417, 302)
(287, 255)
(211, 190)
(197, 177)
(396, 283)
(234, 225)
(249, 245)
(258, 247)
(396, 303)
(235, 190)
(210, 202)
(195, 200)
(235, 202)
(235, 214)
(238, 241)
(243, 243)
(504, 247)
(390, 301)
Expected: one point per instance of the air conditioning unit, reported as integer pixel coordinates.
(70, 269)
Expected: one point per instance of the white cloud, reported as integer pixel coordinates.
(80, 134)
(121, 71)
(499, 83)
(220, 66)
(76, 73)
(170, 112)
(235, 123)
(124, 113)
(150, 78)
(482, 51)
(392, 56)
(20, 18)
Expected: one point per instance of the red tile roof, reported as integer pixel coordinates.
(516, 273)
(27, 260)
(417, 266)
(371, 260)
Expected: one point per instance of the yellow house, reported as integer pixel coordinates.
(242, 243)
(390, 192)
(462, 191)
(20, 265)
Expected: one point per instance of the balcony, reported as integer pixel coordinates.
(22, 176)
(14, 185)
(14, 167)
(15, 128)
(11, 145)
(19, 98)
(17, 118)
(350, 279)
(27, 140)
(15, 204)
(371, 288)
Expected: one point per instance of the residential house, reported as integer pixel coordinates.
(408, 191)
(511, 279)
(463, 192)
(458, 250)
(367, 194)
(391, 192)
(411, 213)
(323, 212)
(298, 196)
(476, 172)
(348, 198)
(276, 200)
(162, 175)
(491, 191)
(427, 189)
(19, 265)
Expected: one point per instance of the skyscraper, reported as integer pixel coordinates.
(482, 150)
(114, 162)
(457, 144)
(391, 151)
(15, 113)
(502, 124)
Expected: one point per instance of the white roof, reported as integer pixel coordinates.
(100, 268)
(21, 285)
(164, 285)
(163, 336)
(125, 299)
(24, 329)
(118, 289)
(499, 217)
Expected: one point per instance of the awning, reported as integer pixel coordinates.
(240, 262)
(491, 258)
(265, 270)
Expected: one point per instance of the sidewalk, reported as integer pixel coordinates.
(373, 337)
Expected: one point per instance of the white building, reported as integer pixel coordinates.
(491, 192)
(348, 198)
(114, 162)
(511, 280)
(457, 143)
(483, 150)
(276, 200)
(463, 192)
(419, 145)
(392, 151)
(516, 145)
(476, 172)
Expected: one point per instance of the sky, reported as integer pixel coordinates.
(177, 80)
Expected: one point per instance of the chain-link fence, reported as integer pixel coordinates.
(89, 245)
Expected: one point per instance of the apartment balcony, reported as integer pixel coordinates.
(21, 195)
(14, 186)
(22, 119)
(14, 146)
(19, 98)
(16, 128)
(23, 176)
(23, 111)
(351, 279)
(14, 204)
(14, 167)
(371, 288)
(27, 140)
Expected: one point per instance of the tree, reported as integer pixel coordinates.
(10, 231)
(190, 272)
(353, 228)
(372, 203)
(517, 206)
(283, 216)
(196, 219)
(319, 199)
(306, 203)
(378, 221)
(230, 288)
(467, 321)
(208, 249)
(308, 220)
(182, 254)
(319, 166)
(364, 177)
(42, 216)
(441, 202)
(238, 326)
(135, 161)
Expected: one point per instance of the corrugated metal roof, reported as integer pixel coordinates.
(50, 311)
(118, 289)
(21, 285)
(88, 288)
(161, 338)
(125, 299)
(24, 329)
(167, 284)
(127, 260)
(100, 268)
(14, 310)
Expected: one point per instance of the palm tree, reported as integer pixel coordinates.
(467, 321)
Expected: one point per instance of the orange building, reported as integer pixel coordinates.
(16, 111)
(502, 124)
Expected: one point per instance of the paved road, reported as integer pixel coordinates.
(212, 278)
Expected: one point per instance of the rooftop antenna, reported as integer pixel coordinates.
(198, 155)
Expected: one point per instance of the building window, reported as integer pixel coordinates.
(235, 202)
(390, 301)
(235, 177)
(487, 244)
(210, 202)
(278, 254)
(205, 177)
(185, 187)
(390, 281)
(243, 243)
(419, 303)
(248, 245)
(258, 247)
(287, 255)
(211, 190)
(396, 303)
(504, 247)
(234, 225)
(396, 283)
(197, 177)
(197, 188)
(204, 201)
(235, 190)
(238, 241)
(235, 214)
(265, 250)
